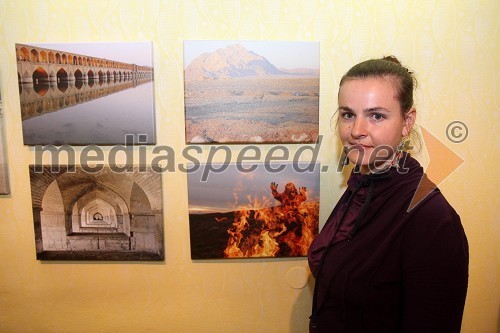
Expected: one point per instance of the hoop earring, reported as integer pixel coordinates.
(400, 149)
(405, 145)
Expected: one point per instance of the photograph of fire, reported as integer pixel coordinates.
(251, 91)
(236, 213)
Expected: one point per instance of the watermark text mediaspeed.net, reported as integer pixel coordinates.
(442, 160)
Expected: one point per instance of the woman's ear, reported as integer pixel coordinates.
(409, 121)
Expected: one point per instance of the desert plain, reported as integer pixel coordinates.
(252, 110)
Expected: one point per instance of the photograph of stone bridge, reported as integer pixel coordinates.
(85, 93)
(97, 216)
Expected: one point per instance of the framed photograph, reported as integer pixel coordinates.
(86, 93)
(4, 171)
(250, 211)
(103, 215)
(251, 91)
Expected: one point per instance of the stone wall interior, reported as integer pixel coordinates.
(104, 215)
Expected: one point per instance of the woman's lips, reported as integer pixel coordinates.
(359, 146)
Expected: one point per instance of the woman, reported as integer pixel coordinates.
(381, 264)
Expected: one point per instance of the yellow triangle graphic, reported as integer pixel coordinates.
(442, 162)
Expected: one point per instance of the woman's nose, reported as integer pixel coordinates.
(358, 128)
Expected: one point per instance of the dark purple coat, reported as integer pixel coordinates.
(390, 270)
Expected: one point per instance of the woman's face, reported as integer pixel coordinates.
(371, 125)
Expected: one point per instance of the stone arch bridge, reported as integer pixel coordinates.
(37, 64)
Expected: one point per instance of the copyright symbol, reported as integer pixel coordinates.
(457, 131)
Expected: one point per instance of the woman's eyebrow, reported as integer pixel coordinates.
(376, 109)
(368, 110)
(346, 108)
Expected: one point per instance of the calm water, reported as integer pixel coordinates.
(105, 120)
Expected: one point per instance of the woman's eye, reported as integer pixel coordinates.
(377, 116)
(347, 115)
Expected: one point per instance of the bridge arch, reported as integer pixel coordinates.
(40, 75)
(78, 75)
(23, 54)
(34, 56)
(43, 56)
(62, 74)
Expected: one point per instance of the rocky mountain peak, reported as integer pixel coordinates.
(230, 62)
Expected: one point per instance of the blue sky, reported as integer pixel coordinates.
(282, 54)
(224, 189)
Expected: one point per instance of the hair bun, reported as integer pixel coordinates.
(393, 59)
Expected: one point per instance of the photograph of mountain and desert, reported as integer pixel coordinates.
(86, 93)
(251, 91)
(104, 215)
(243, 213)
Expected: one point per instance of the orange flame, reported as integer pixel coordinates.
(259, 230)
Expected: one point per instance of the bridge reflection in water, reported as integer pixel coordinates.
(43, 97)
(100, 114)
(60, 105)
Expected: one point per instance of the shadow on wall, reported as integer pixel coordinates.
(299, 319)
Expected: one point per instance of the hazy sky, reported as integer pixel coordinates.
(139, 53)
(282, 54)
(224, 191)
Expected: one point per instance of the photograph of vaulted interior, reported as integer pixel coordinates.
(97, 216)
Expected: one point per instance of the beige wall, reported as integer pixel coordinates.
(453, 46)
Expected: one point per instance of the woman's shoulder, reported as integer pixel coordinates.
(434, 220)
(426, 197)
(428, 200)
